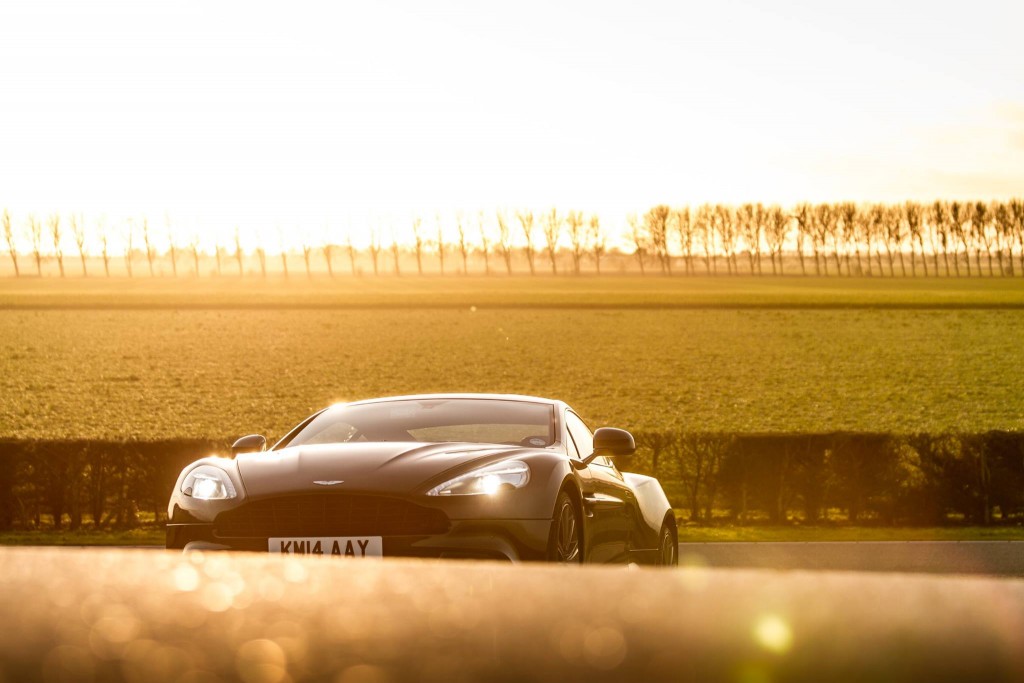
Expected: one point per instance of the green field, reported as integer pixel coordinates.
(199, 360)
(610, 291)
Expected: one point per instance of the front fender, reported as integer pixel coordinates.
(653, 504)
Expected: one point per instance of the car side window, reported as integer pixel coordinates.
(570, 447)
(582, 437)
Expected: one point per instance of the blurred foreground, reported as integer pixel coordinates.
(83, 615)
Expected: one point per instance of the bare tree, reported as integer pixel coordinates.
(725, 220)
(104, 247)
(396, 252)
(704, 224)
(874, 230)
(307, 251)
(463, 245)
(959, 218)
(440, 241)
(804, 228)
(852, 228)
(552, 233)
(1003, 220)
(776, 227)
(351, 249)
(912, 214)
(78, 233)
(329, 254)
(821, 223)
(656, 224)
(418, 242)
(597, 239)
(485, 242)
(526, 222)
(892, 222)
(834, 230)
(981, 234)
(12, 249)
(150, 248)
(504, 240)
(577, 238)
(684, 226)
(1017, 211)
(55, 233)
(129, 238)
(751, 218)
(939, 235)
(261, 256)
(239, 254)
(638, 232)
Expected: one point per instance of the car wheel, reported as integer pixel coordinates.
(668, 549)
(564, 545)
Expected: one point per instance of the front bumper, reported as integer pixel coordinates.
(512, 540)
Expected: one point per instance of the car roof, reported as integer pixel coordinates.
(422, 397)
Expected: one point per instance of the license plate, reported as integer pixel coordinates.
(341, 546)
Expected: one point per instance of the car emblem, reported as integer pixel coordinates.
(330, 482)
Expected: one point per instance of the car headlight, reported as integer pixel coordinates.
(487, 480)
(207, 482)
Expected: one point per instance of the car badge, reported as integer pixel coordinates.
(330, 482)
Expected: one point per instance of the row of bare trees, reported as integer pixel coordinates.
(844, 239)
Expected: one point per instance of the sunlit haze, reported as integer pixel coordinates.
(301, 117)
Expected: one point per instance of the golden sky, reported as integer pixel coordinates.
(303, 115)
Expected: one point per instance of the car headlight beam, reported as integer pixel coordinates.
(487, 480)
(207, 482)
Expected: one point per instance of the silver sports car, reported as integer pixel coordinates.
(440, 475)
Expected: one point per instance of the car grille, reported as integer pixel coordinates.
(330, 515)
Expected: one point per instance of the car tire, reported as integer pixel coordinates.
(668, 548)
(565, 542)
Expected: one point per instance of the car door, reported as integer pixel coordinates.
(607, 501)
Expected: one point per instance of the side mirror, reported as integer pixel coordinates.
(254, 443)
(611, 441)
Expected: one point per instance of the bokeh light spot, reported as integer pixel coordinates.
(186, 578)
(773, 634)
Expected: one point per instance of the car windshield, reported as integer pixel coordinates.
(497, 421)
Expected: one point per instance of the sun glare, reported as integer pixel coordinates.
(328, 119)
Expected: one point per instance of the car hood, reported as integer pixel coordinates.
(389, 467)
